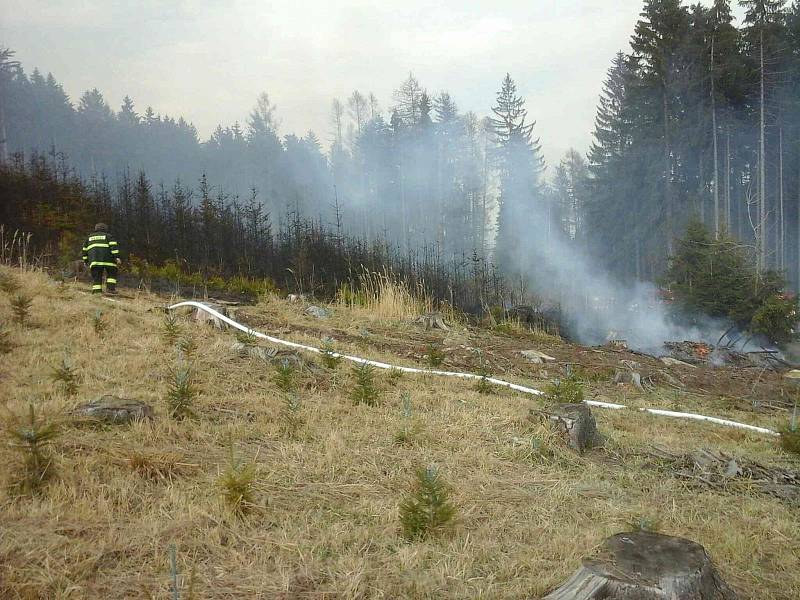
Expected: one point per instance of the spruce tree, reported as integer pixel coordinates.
(520, 163)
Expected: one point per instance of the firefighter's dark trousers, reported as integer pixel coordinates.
(97, 279)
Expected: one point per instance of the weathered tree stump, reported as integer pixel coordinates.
(433, 320)
(646, 566)
(536, 357)
(576, 424)
(115, 410)
(202, 316)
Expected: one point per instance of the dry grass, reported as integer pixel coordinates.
(322, 518)
(384, 297)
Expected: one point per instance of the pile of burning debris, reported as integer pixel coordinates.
(702, 353)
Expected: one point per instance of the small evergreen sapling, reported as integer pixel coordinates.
(427, 508)
(483, 386)
(6, 345)
(66, 376)
(330, 358)
(291, 417)
(170, 328)
(187, 346)
(32, 438)
(406, 434)
(435, 355)
(394, 377)
(364, 391)
(181, 394)
(237, 482)
(565, 391)
(21, 306)
(284, 378)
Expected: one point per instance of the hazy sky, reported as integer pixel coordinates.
(208, 60)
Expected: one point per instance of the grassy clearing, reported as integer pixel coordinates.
(314, 511)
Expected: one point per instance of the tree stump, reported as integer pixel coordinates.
(202, 316)
(576, 424)
(433, 320)
(536, 357)
(646, 566)
(115, 410)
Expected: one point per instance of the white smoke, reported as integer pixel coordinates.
(598, 308)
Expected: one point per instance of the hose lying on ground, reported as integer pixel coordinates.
(500, 382)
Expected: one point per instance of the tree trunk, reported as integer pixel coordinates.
(716, 156)
(762, 176)
(646, 566)
(3, 139)
(781, 221)
(728, 215)
(667, 174)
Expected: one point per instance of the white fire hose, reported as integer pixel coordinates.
(500, 382)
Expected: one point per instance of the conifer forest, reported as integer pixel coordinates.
(357, 300)
(698, 119)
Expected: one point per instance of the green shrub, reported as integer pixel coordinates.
(644, 523)
(717, 277)
(427, 508)
(364, 390)
(246, 338)
(484, 386)
(434, 355)
(565, 391)
(507, 327)
(32, 438)
(775, 318)
(394, 376)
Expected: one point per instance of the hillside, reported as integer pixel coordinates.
(329, 475)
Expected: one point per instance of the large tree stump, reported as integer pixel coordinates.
(646, 566)
(576, 424)
(202, 316)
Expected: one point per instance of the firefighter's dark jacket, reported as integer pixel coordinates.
(100, 250)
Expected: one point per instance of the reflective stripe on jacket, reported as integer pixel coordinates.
(100, 250)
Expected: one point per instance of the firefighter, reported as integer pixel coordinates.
(101, 255)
